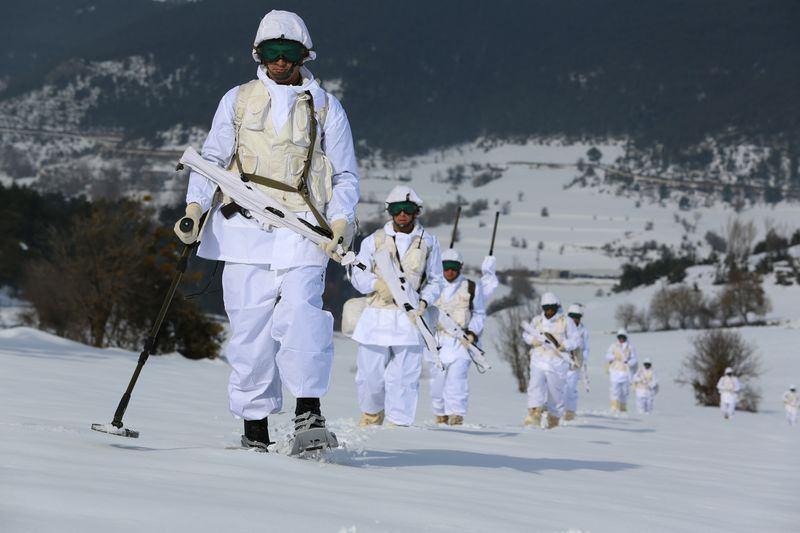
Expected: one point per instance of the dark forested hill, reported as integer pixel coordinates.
(417, 74)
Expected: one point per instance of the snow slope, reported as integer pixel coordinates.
(581, 220)
(681, 469)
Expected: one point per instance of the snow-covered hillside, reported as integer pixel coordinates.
(580, 221)
(682, 469)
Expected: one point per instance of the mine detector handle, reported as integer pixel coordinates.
(186, 225)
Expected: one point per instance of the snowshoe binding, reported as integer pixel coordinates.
(256, 435)
(310, 434)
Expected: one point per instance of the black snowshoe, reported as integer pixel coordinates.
(310, 433)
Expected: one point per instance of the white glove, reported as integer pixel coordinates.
(418, 312)
(340, 229)
(489, 265)
(193, 212)
(383, 290)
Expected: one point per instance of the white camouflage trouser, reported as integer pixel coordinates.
(279, 336)
(791, 415)
(546, 387)
(727, 403)
(571, 392)
(387, 379)
(450, 388)
(619, 391)
(644, 401)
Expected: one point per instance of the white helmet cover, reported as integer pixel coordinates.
(451, 254)
(575, 309)
(622, 332)
(403, 193)
(647, 361)
(729, 370)
(549, 298)
(283, 25)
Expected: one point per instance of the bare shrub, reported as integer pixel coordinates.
(511, 346)
(686, 305)
(661, 309)
(713, 351)
(740, 242)
(103, 281)
(625, 315)
(742, 296)
(641, 319)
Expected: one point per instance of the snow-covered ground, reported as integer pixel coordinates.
(682, 469)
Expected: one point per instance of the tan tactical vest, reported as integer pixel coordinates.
(621, 357)
(412, 263)
(459, 307)
(645, 379)
(281, 155)
(557, 329)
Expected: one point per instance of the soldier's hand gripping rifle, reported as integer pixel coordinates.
(451, 327)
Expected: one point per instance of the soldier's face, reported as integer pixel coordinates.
(403, 219)
(282, 71)
(450, 274)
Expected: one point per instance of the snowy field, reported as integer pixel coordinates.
(681, 469)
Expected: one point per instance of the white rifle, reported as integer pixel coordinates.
(260, 206)
(549, 342)
(451, 327)
(407, 298)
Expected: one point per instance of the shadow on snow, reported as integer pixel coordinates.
(407, 458)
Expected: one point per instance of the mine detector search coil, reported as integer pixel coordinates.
(116, 426)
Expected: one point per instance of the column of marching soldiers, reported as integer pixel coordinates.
(391, 350)
(278, 185)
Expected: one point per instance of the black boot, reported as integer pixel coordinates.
(307, 405)
(256, 434)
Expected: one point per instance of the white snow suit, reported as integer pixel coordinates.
(645, 385)
(548, 368)
(389, 361)
(621, 357)
(728, 387)
(574, 373)
(791, 402)
(273, 280)
(449, 387)
(489, 281)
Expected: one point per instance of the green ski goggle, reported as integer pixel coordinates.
(409, 208)
(274, 49)
(451, 265)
